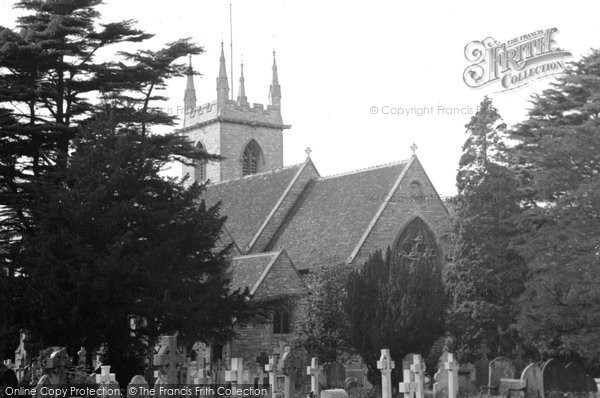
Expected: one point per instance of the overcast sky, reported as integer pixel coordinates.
(338, 59)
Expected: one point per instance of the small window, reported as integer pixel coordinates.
(281, 322)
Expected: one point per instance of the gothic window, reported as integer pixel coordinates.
(281, 322)
(200, 166)
(416, 245)
(251, 159)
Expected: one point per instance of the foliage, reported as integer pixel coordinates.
(395, 304)
(322, 325)
(486, 277)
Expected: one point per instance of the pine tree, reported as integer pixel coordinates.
(559, 165)
(486, 276)
(396, 302)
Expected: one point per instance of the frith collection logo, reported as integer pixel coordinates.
(515, 63)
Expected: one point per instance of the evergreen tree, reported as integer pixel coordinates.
(559, 165)
(486, 277)
(322, 326)
(102, 248)
(396, 302)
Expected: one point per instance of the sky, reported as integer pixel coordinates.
(343, 67)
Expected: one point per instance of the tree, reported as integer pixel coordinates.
(559, 165)
(322, 324)
(49, 76)
(396, 302)
(104, 249)
(486, 277)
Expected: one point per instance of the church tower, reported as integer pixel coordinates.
(248, 136)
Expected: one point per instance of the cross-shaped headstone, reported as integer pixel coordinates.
(314, 371)
(418, 368)
(452, 367)
(408, 386)
(271, 368)
(105, 377)
(385, 365)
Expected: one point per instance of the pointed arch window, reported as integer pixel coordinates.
(252, 159)
(281, 322)
(417, 245)
(200, 166)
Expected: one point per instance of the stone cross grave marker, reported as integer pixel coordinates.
(237, 375)
(107, 380)
(452, 367)
(418, 368)
(386, 365)
(314, 372)
(169, 361)
(271, 368)
(408, 386)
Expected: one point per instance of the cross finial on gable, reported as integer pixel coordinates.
(414, 148)
(308, 151)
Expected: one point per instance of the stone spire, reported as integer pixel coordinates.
(222, 82)
(275, 90)
(189, 98)
(242, 99)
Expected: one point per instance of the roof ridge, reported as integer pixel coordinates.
(265, 254)
(381, 166)
(254, 175)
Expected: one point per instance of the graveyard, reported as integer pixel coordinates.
(175, 374)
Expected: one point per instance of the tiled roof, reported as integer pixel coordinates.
(246, 271)
(249, 200)
(334, 214)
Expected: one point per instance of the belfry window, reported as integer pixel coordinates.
(252, 159)
(281, 322)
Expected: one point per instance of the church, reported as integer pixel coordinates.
(284, 221)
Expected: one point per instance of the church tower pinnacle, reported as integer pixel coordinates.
(275, 90)
(242, 99)
(189, 98)
(222, 81)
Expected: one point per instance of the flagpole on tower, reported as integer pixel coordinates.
(231, 44)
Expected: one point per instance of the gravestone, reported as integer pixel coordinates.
(553, 374)
(314, 371)
(170, 360)
(335, 375)
(386, 365)
(334, 393)
(82, 356)
(441, 378)
(532, 376)
(108, 383)
(576, 377)
(22, 358)
(408, 386)
(418, 369)
(202, 351)
(137, 387)
(467, 380)
(500, 368)
(482, 367)
(272, 369)
(408, 360)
